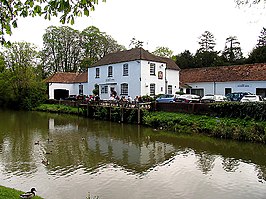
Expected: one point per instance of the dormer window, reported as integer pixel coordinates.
(110, 71)
(152, 69)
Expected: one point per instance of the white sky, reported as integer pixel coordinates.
(176, 24)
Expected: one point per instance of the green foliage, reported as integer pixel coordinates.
(62, 50)
(258, 55)
(163, 52)
(55, 108)
(9, 193)
(20, 86)
(185, 60)
(96, 89)
(225, 128)
(67, 11)
(206, 42)
(250, 110)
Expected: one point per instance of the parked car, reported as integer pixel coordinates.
(71, 97)
(188, 98)
(213, 98)
(166, 98)
(252, 98)
(237, 96)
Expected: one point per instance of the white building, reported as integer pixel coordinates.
(224, 79)
(63, 85)
(134, 72)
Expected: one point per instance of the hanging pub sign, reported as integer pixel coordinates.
(160, 74)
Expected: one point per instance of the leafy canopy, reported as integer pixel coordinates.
(67, 10)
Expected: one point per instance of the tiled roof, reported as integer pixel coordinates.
(135, 54)
(67, 77)
(254, 72)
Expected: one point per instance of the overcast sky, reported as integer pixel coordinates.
(176, 24)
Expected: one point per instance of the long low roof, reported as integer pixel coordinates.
(135, 54)
(67, 77)
(248, 72)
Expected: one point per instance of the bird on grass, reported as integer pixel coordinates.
(29, 194)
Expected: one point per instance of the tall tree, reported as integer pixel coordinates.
(206, 42)
(96, 45)
(62, 49)
(10, 11)
(232, 51)
(185, 59)
(163, 52)
(262, 38)
(19, 82)
(258, 55)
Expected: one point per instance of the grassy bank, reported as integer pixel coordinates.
(226, 128)
(248, 130)
(9, 193)
(55, 108)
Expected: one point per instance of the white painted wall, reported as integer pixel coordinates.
(139, 78)
(147, 79)
(172, 77)
(237, 86)
(72, 88)
(133, 78)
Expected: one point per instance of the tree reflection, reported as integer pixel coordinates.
(205, 162)
(261, 173)
(230, 164)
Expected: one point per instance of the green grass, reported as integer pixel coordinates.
(9, 193)
(55, 108)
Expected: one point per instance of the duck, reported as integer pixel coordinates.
(48, 152)
(45, 162)
(29, 194)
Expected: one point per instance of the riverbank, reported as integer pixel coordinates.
(9, 193)
(247, 130)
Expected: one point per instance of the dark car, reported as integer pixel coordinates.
(237, 96)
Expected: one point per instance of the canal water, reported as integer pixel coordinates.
(66, 156)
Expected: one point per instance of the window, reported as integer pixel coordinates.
(124, 89)
(199, 91)
(97, 74)
(152, 89)
(104, 89)
(152, 69)
(125, 70)
(170, 89)
(81, 89)
(110, 71)
(227, 90)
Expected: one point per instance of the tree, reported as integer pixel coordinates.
(207, 59)
(258, 55)
(62, 49)
(136, 43)
(248, 2)
(96, 45)
(163, 52)
(10, 11)
(232, 51)
(185, 60)
(262, 38)
(19, 84)
(2, 63)
(207, 42)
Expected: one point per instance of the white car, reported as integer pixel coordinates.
(252, 98)
(188, 98)
(213, 98)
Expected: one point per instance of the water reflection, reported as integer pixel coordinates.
(76, 147)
